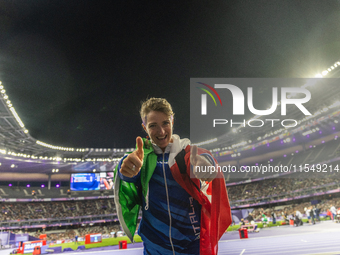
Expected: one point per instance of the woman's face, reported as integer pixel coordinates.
(159, 128)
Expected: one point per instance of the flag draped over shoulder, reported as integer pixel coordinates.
(216, 213)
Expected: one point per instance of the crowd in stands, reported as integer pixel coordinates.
(55, 210)
(281, 187)
(281, 213)
(66, 209)
(270, 189)
(253, 192)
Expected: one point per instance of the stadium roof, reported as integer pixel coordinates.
(15, 139)
(22, 153)
(38, 156)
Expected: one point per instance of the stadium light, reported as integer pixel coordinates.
(201, 143)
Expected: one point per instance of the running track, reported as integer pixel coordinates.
(322, 238)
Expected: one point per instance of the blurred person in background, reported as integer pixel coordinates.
(333, 211)
(312, 215)
(317, 212)
(298, 218)
(250, 218)
(273, 214)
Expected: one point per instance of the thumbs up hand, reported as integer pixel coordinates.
(134, 161)
(199, 163)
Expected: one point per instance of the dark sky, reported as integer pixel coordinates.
(76, 71)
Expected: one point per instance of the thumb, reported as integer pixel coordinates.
(193, 156)
(140, 151)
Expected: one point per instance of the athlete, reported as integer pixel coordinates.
(183, 212)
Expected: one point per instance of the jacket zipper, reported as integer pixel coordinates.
(167, 199)
(147, 199)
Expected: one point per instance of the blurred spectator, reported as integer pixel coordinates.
(333, 211)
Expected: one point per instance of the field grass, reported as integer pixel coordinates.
(105, 242)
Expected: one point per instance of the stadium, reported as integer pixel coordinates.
(73, 76)
(56, 193)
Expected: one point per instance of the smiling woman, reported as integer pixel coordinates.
(183, 212)
(158, 121)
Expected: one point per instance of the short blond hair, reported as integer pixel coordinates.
(155, 104)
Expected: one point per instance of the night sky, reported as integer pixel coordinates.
(76, 71)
